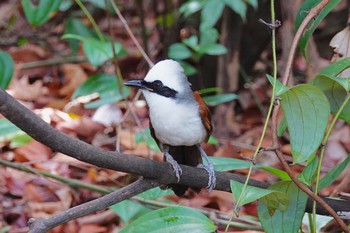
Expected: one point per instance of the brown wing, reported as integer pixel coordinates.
(204, 112)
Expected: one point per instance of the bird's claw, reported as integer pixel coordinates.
(211, 175)
(177, 169)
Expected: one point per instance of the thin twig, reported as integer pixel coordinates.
(43, 225)
(131, 34)
(310, 16)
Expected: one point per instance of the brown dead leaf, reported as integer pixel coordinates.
(341, 47)
(84, 127)
(43, 209)
(29, 53)
(33, 151)
(23, 90)
(100, 218)
(39, 193)
(74, 75)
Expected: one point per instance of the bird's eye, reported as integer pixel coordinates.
(157, 84)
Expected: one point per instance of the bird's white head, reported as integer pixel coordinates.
(165, 79)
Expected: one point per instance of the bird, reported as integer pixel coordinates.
(179, 119)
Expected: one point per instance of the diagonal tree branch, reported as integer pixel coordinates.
(43, 225)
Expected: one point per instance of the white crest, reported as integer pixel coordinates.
(171, 74)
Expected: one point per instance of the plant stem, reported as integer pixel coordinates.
(71, 182)
(52, 62)
(92, 20)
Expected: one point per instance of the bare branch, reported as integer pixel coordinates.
(43, 225)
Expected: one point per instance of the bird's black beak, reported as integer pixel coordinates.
(134, 83)
(139, 83)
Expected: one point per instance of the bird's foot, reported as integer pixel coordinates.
(210, 169)
(211, 175)
(177, 169)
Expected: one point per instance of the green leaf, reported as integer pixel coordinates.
(75, 26)
(335, 69)
(190, 7)
(179, 51)
(6, 69)
(106, 85)
(280, 88)
(313, 24)
(155, 193)
(251, 193)
(229, 164)
(189, 69)
(335, 93)
(145, 136)
(333, 174)
(288, 220)
(253, 3)
(171, 219)
(336, 89)
(192, 42)
(210, 90)
(208, 36)
(96, 51)
(306, 110)
(20, 139)
(211, 13)
(212, 49)
(212, 140)
(308, 174)
(129, 210)
(219, 99)
(282, 127)
(39, 13)
(238, 6)
(10, 132)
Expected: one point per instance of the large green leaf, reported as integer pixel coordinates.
(313, 24)
(6, 69)
(96, 51)
(229, 164)
(306, 110)
(40, 12)
(251, 193)
(289, 219)
(171, 219)
(106, 85)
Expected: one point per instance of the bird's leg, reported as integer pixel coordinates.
(172, 161)
(209, 169)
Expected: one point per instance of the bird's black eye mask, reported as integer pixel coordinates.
(158, 87)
